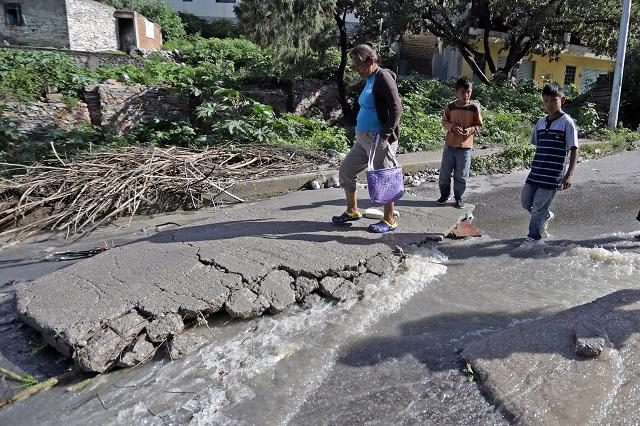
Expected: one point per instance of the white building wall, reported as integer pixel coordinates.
(92, 26)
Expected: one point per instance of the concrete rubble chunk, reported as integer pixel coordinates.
(101, 351)
(338, 288)
(346, 291)
(329, 285)
(276, 289)
(532, 370)
(305, 286)
(591, 339)
(105, 346)
(366, 279)
(186, 343)
(381, 264)
(140, 352)
(244, 303)
(168, 325)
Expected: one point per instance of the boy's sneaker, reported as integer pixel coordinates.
(443, 199)
(459, 204)
(546, 224)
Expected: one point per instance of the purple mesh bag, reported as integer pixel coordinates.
(385, 185)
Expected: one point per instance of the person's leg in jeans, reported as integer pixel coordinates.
(447, 165)
(355, 161)
(461, 172)
(537, 201)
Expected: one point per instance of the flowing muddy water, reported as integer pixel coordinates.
(393, 357)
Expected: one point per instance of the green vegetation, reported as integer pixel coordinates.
(27, 76)
(214, 69)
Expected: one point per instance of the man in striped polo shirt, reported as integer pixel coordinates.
(554, 136)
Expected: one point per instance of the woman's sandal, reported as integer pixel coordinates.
(346, 217)
(382, 227)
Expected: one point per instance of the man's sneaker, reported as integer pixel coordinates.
(459, 204)
(546, 223)
(530, 242)
(443, 199)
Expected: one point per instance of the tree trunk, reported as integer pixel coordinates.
(487, 51)
(347, 111)
(474, 65)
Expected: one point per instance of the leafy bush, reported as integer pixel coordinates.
(228, 60)
(514, 156)
(232, 118)
(524, 98)
(419, 129)
(587, 119)
(25, 76)
(502, 128)
(163, 132)
(156, 71)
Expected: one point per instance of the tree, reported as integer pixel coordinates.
(526, 26)
(157, 11)
(291, 28)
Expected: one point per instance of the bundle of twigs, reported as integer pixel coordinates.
(76, 196)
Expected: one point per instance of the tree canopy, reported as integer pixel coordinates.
(525, 27)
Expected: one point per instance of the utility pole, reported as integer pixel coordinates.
(617, 76)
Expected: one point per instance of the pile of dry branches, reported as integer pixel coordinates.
(76, 196)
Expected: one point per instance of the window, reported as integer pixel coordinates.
(13, 14)
(569, 75)
(149, 30)
(225, 1)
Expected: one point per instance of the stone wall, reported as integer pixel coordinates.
(92, 26)
(302, 97)
(277, 97)
(121, 107)
(310, 95)
(37, 117)
(116, 106)
(45, 24)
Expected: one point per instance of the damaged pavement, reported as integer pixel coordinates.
(117, 308)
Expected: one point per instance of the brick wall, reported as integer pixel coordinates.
(45, 24)
(145, 42)
(92, 26)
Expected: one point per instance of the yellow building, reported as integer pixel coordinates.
(576, 65)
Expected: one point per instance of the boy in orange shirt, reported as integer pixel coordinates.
(461, 119)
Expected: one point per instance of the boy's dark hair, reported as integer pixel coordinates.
(553, 90)
(464, 83)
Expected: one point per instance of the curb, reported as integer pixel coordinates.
(251, 190)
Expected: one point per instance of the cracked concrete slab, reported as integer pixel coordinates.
(246, 260)
(537, 372)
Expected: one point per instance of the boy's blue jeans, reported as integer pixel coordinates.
(458, 161)
(536, 201)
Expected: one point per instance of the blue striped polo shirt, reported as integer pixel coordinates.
(553, 140)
